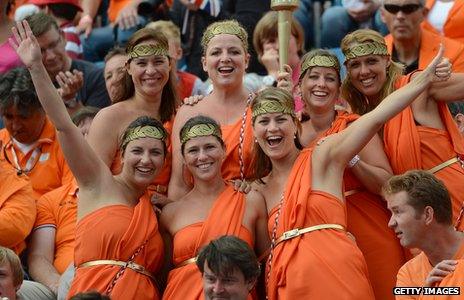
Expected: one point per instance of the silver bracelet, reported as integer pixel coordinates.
(353, 161)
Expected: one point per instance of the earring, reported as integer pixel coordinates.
(256, 140)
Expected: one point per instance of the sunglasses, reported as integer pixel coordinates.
(407, 8)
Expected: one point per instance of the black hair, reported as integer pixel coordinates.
(64, 10)
(17, 89)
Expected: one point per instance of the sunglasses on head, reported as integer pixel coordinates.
(407, 8)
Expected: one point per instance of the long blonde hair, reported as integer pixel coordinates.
(350, 93)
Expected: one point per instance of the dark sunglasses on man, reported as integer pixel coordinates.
(407, 8)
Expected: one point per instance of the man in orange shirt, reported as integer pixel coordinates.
(51, 247)
(29, 139)
(17, 208)
(411, 45)
(422, 219)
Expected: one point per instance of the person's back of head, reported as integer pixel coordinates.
(11, 273)
(172, 33)
(62, 9)
(229, 267)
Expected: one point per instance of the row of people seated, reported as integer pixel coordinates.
(227, 75)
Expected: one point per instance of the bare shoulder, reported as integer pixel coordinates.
(169, 211)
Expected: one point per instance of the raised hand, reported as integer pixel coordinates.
(284, 79)
(25, 44)
(437, 70)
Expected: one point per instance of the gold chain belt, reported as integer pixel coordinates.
(352, 192)
(297, 232)
(191, 260)
(443, 165)
(130, 265)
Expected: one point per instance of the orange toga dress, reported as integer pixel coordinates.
(367, 220)
(116, 232)
(322, 264)
(224, 218)
(412, 146)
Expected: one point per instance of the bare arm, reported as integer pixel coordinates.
(90, 7)
(177, 186)
(41, 256)
(87, 168)
(89, 11)
(102, 137)
(373, 169)
(262, 241)
(448, 91)
(332, 155)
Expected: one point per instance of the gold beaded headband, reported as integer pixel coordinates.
(143, 132)
(271, 106)
(374, 48)
(319, 61)
(147, 50)
(225, 27)
(203, 129)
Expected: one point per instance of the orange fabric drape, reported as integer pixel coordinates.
(406, 147)
(224, 218)
(367, 220)
(115, 232)
(323, 264)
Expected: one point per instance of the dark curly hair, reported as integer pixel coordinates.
(17, 89)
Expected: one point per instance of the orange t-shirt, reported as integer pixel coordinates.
(58, 209)
(429, 46)
(415, 272)
(17, 208)
(49, 168)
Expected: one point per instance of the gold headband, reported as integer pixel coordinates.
(319, 61)
(143, 132)
(147, 50)
(204, 129)
(271, 106)
(374, 48)
(226, 27)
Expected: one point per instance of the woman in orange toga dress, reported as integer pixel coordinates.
(424, 135)
(312, 257)
(367, 213)
(118, 245)
(211, 209)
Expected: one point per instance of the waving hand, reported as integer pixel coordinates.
(26, 44)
